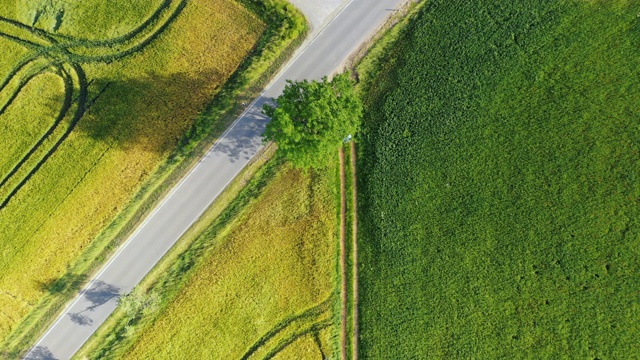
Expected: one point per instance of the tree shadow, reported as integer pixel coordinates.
(149, 113)
(63, 284)
(244, 137)
(40, 353)
(155, 112)
(99, 293)
(80, 319)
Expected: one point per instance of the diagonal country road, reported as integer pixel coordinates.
(323, 55)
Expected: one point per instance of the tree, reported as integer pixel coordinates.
(311, 119)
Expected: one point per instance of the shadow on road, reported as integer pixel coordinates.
(82, 320)
(40, 353)
(98, 294)
(241, 141)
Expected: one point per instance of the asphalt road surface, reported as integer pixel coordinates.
(189, 199)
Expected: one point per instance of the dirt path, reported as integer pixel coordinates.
(343, 256)
(354, 184)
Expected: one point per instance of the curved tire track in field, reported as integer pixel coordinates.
(71, 41)
(309, 321)
(14, 72)
(106, 51)
(8, 27)
(68, 76)
(40, 69)
(62, 52)
(62, 113)
(311, 329)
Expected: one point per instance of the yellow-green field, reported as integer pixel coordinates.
(93, 96)
(267, 288)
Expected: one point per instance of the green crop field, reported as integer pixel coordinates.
(500, 184)
(93, 96)
(266, 289)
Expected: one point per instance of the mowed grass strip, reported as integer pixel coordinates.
(499, 187)
(275, 262)
(143, 105)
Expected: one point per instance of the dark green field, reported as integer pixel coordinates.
(500, 213)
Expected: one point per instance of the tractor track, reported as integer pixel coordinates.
(66, 55)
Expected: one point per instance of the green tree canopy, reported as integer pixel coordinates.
(311, 119)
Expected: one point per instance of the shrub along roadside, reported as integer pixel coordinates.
(285, 33)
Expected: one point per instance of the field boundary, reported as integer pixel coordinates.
(348, 253)
(285, 32)
(343, 258)
(387, 34)
(354, 250)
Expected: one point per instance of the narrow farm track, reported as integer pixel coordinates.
(343, 258)
(322, 56)
(354, 254)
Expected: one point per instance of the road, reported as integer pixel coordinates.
(323, 55)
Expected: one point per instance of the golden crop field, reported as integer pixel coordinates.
(93, 96)
(269, 287)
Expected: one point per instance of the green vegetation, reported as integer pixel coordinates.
(257, 280)
(117, 132)
(311, 119)
(499, 188)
